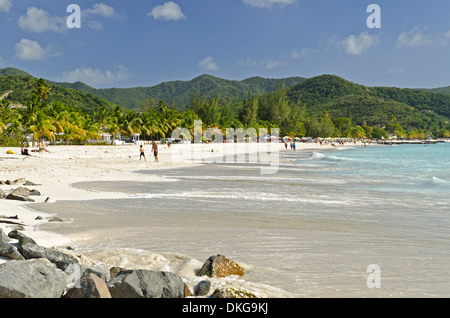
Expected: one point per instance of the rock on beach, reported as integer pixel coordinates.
(220, 266)
(146, 284)
(31, 279)
(35, 271)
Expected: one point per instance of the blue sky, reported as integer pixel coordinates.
(146, 42)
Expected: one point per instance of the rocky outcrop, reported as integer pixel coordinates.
(31, 279)
(220, 266)
(3, 236)
(231, 292)
(12, 196)
(60, 259)
(20, 193)
(22, 238)
(143, 283)
(7, 250)
(41, 272)
(202, 288)
(89, 286)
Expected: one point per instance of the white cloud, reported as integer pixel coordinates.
(414, 38)
(268, 4)
(96, 77)
(272, 64)
(103, 10)
(38, 20)
(5, 5)
(100, 10)
(445, 39)
(208, 63)
(29, 50)
(303, 54)
(169, 11)
(356, 44)
(249, 62)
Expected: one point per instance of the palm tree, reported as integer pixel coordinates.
(172, 119)
(101, 117)
(2, 126)
(5, 113)
(91, 130)
(187, 121)
(153, 124)
(112, 128)
(42, 127)
(42, 89)
(11, 124)
(131, 123)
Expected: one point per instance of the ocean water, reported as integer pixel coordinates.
(349, 222)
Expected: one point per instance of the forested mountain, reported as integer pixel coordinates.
(181, 92)
(440, 90)
(325, 105)
(373, 105)
(19, 89)
(12, 71)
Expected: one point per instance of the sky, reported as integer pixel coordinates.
(134, 43)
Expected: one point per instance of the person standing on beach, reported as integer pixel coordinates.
(155, 150)
(293, 146)
(142, 153)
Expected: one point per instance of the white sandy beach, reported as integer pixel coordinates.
(56, 170)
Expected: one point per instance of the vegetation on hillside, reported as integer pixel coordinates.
(324, 106)
(21, 88)
(181, 92)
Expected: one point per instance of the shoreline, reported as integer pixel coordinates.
(55, 172)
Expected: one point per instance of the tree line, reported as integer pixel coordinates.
(59, 122)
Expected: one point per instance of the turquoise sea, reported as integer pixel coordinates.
(317, 228)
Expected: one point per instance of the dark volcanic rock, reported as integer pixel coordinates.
(30, 279)
(60, 259)
(142, 283)
(22, 238)
(7, 250)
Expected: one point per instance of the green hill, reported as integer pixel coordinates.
(373, 105)
(412, 108)
(12, 71)
(21, 87)
(440, 90)
(180, 92)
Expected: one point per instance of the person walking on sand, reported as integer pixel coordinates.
(155, 150)
(293, 146)
(142, 153)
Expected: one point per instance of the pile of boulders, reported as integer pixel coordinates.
(21, 193)
(34, 271)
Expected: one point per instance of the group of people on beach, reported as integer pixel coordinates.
(154, 150)
(292, 145)
(24, 151)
